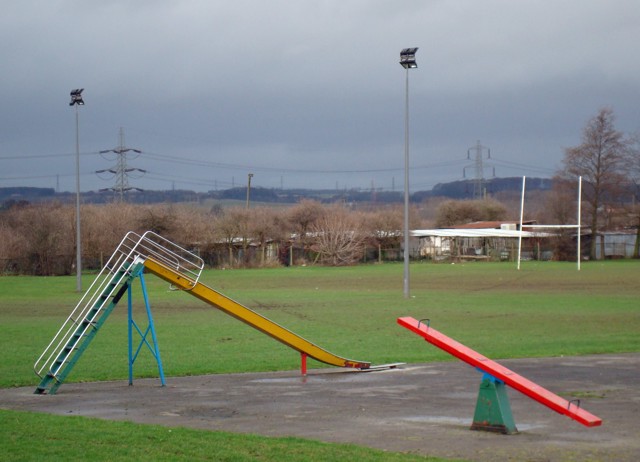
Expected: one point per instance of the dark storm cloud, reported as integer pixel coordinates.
(213, 90)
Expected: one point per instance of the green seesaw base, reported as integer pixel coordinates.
(493, 410)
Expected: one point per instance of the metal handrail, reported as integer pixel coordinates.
(132, 249)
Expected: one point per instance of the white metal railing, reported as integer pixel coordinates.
(170, 254)
(132, 249)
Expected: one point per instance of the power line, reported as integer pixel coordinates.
(44, 156)
(516, 165)
(183, 160)
(122, 172)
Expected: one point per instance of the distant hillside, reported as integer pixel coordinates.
(454, 190)
(22, 194)
(464, 189)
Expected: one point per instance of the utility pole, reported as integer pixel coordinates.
(249, 187)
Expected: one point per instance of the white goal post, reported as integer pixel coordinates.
(577, 226)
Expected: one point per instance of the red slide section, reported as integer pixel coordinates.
(527, 387)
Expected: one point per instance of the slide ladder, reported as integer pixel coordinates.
(76, 333)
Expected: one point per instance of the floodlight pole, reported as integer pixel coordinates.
(78, 233)
(406, 188)
(76, 100)
(407, 60)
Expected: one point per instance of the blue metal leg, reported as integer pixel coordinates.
(153, 346)
(156, 349)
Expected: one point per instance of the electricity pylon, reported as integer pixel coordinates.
(121, 171)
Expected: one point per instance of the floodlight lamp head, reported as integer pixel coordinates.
(408, 58)
(76, 97)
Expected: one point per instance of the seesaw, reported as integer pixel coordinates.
(493, 411)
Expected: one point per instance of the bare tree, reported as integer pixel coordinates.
(339, 237)
(599, 161)
(429, 210)
(386, 227)
(454, 212)
(160, 219)
(113, 221)
(561, 208)
(45, 247)
(194, 225)
(233, 227)
(302, 217)
(265, 224)
(561, 202)
(13, 242)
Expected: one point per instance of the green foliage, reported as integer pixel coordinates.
(545, 309)
(32, 436)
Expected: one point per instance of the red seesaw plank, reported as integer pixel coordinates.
(523, 385)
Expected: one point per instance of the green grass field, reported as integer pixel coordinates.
(32, 436)
(544, 309)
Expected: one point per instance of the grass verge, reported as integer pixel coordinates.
(34, 436)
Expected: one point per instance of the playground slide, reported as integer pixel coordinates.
(248, 316)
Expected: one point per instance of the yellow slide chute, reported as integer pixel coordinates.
(248, 316)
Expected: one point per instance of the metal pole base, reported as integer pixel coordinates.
(303, 364)
(493, 410)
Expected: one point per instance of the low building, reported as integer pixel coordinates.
(482, 241)
(615, 244)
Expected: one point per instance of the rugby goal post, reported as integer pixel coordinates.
(577, 226)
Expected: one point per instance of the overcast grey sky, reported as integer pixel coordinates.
(307, 93)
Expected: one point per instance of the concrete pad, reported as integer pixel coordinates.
(418, 408)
